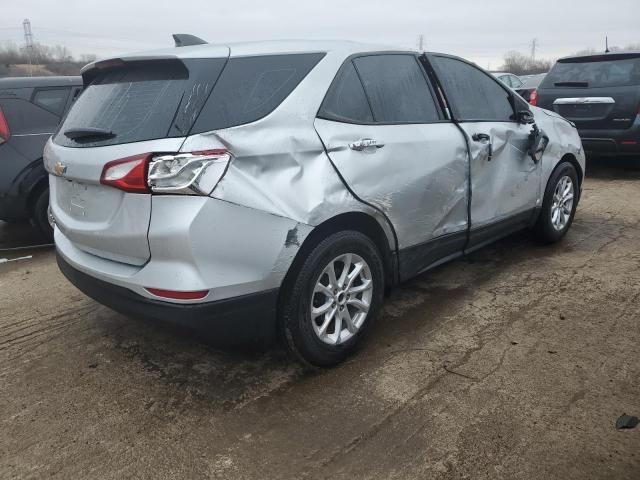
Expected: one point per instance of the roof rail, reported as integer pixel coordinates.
(186, 40)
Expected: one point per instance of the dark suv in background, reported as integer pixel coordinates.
(601, 95)
(30, 110)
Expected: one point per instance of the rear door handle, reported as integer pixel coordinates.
(484, 138)
(364, 144)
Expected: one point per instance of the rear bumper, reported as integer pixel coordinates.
(249, 319)
(612, 142)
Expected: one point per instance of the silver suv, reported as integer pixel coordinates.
(277, 189)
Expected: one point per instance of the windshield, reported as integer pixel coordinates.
(606, 73)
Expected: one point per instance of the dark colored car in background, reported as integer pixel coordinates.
(30, 110)
(525, 86)
(529, 88)
(601, 95)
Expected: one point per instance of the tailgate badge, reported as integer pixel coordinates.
(59, 168)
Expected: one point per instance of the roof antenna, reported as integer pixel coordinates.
(606, 42)
(186, 40)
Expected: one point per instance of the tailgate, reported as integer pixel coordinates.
(98, 219)
(597, 92)
(613, 108)
(128, 109)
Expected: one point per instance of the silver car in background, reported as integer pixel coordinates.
(277, 189)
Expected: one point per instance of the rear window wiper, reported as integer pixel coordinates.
(571, 84)
(80, 133)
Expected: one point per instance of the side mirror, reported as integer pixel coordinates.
(539, 143)
(526, 117)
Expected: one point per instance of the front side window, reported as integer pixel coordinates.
(397, 89)
(472, 93)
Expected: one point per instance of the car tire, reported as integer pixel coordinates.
(559, 204)
(310, 289)
(41, 215)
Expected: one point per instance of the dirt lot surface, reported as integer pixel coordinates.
(512, 363)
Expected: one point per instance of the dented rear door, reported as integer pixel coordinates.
(390, 141)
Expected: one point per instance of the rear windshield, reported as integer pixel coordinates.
(594, 73)
(139, 101)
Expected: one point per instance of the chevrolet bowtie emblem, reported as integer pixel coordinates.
(60, 168)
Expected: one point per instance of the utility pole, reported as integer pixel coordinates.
(421, 43)
(534, 45)
(28, 41)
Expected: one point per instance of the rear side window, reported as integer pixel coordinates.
(596, 72)
(53, 100)
(473, 94)
(506, 80)
(515, 81)
(26, 118)
(346, 100)
(143, 100)
(397, 89)
(250, 88)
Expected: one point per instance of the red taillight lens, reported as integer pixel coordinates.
(128, 174)
(195, 173)
(173, 295)
(533, 99)
(5, 133)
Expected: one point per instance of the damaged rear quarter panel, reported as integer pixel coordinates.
(279, 165)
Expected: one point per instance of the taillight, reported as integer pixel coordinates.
(5, 133)
(195, 173)
(188, 173)
(128, 174)
(533, 99)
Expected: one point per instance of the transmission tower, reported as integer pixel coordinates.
(421, 43)
(534, 46)
(28, 42)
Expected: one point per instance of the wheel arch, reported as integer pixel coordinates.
(34, 182)
(569, 157)
(358, 221)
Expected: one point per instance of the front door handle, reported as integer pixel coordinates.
(364, 144)
(481, 137)
(484, 138)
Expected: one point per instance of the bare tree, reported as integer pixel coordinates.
(56, 60)
(519, 64)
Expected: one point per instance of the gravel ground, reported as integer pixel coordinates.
(513, 363)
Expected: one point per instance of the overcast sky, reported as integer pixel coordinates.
(479, 30)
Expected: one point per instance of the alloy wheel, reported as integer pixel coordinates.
(562, 205)
(341, 299)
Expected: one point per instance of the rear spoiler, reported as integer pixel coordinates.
(600, 57)
(90, 71)
(180, 40)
